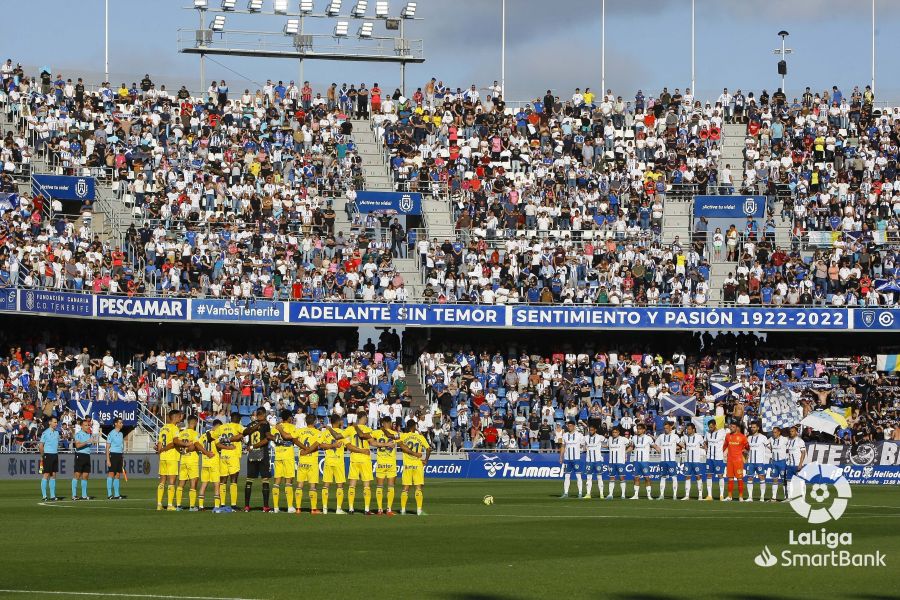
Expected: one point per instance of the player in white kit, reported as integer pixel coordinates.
(715, 459)
(694, 461)
(758, 463)
(618, 458)
(570, 457)
(668, 443)
(593, 462)
(779, 445)
(640, 458)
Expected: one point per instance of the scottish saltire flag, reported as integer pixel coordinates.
(779, 409)
(722, 389)
(678, 406)
(889, 363)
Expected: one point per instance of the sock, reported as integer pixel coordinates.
(721, 487)
(351, 497)
(709, 486)
(730, 487)
(419, 498)
(590, 484)
(367, 498)
(53, 488)
(192, 497)
(289, 495)
(404, 496)
(325, 498)
(248, 489)
(340, 497)
(762, 489)
(675, 487)
(116, 487)
(170, 494)
(160, 492)
(741, 488)
(234, 493)
(390, 498)
(379, 497)
(750, 489)
(578, 482)
(266, 487)
(599, 484)
(298, 497)
(662, 487)
(687, 489)
(179, 495)
(313, 500)
(217, 501)
(566, 481)
(84, 493)
(74, 487)
(109, 486)
(44, 488)
(276, 494)
(623, 488)
(201, 501)
(649, 489)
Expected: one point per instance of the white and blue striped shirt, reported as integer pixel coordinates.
(668, 446)
(694, 448)
(795, 448)
(779, 448)
(641, 444)
(573, 443)
(759, 449)
(618, 446)
(594, 445)
(714, 442)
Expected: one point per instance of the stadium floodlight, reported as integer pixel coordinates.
(229, 4)
(292, 27)
(382, 9)
(306, 6)
(255, 5)
(334, 8)
(409, 11)
(359, 11)
(366, 30)
(281, 7)
(218, 23)
(342, 29)
(201, 4)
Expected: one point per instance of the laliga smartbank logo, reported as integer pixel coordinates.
(819, 494)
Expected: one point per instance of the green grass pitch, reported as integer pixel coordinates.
(529, 544)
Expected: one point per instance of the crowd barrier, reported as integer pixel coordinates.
(71, 304)
(868, 463)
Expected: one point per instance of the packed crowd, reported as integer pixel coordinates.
(518, 399)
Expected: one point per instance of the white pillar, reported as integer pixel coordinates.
(503, 47)
(106, 40)
(693, 54)
(603, 51)
(873, 46)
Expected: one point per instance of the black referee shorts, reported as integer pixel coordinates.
(51, 463)
(258, 468)
(82, 463)
(116, 460)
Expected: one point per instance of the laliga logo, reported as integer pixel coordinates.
(821, 477)
(81, 188)
(750, 206)
(493, 468)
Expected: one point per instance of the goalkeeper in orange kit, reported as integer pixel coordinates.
(736, 447)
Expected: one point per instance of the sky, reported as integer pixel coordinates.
(549, 45)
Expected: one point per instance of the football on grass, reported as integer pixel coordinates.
(488, 500)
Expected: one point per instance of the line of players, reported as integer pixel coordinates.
(213, 459)
(717, 454)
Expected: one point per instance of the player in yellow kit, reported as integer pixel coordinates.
(307, 439)
(209, 470)
(357, 437)
(168, 460)
(189, 466)
(230, 434)
(384, 440)
(284, 461)
(335, 471)
(416, 452)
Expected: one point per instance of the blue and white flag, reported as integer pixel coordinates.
(721, 390)
(779, 409)
(678, 406)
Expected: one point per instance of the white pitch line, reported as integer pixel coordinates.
(116, 595)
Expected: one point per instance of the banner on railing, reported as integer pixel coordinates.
(106, 412)
(729, 207)
(63, 187)
(350, 314)
(401, 203)
(57, 303)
